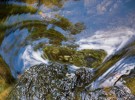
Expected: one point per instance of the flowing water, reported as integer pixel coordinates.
(93, 35)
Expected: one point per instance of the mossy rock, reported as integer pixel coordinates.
(88, 58)
(130, 83)
(6, 79)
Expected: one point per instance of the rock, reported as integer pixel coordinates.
(87, 58)
(51, 82)
(56, 82)
(6, 79)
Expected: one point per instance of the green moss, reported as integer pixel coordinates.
(49, 3)
(130, 83)
(88, 58)
(9, 9)
(61, 22)
(66, 25)
(6, 79)
(41, 32)
(2, 32)
(38, 29)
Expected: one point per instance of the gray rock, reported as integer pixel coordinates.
(56, 82)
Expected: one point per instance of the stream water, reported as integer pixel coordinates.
(29, 26)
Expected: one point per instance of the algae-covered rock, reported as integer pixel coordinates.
(130, 81)
(88, 58)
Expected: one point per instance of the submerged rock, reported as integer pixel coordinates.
(89, 58)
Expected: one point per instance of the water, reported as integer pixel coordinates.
(27, 27)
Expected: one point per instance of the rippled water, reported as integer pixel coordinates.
(28, 27)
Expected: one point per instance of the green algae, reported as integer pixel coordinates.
(10, 9)
(5, 71)
(48, 3)
(41, 32)
(51, 3)
(88, 58)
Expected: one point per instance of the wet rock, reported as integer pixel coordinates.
(51, 82)
(56, 82)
